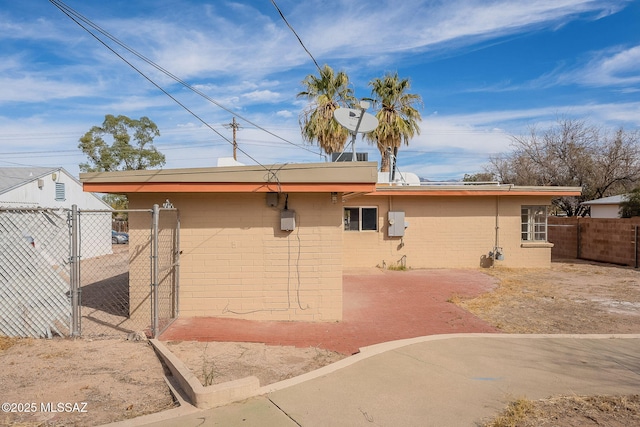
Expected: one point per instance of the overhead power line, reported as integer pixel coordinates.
(79, 19)
(76, 17)
(296, 34)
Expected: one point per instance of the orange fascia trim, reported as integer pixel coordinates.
(209, 187)
(473, 193)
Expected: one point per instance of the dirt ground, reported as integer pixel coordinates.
(573, 297)
(105, 380)
(108, 380)
(215, 363)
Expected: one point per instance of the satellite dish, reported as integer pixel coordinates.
(350, 119)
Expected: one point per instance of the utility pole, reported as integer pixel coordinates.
(235, 126)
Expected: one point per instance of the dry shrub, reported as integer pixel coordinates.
(516, 412)
(571, 411)
(7, 342)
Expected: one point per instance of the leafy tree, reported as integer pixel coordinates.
(326, 93)
(478, 177)
(572, 153)
(397, 115)
(116, 201)
(630, 205)
(121, 154)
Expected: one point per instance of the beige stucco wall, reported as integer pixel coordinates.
(444, 232)
(236, 262)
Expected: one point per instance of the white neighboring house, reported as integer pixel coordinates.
(607, 207)
(55, 188)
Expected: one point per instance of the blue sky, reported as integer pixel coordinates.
(485, 70)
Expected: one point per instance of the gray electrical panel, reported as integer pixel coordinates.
(272, 200)
(396, 224)
(287, 220)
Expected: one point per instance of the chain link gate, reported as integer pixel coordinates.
(165, 256)
(62, 272)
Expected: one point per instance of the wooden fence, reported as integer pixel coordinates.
(613, 240)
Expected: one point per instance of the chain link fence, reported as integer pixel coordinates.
(66, 272)
(34, 272)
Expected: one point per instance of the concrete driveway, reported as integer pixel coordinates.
(435, 381)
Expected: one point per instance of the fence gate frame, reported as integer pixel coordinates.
(156, 328)
(154, 256)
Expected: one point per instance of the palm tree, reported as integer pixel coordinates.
(398, 118)
(326, 93)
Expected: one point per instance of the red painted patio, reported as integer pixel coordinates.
(378, 306)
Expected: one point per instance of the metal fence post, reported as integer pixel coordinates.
(635, 247)
(176, 290)
(154, 270)
(75, 273)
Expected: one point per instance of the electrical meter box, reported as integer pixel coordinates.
(287, 220)
(396, 224)
(272, 200)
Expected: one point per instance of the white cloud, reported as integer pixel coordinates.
(38, 89)
(424, 25)
(621, 67)
(206, 43)
(262, 96)
(284, 113)
(611, 67)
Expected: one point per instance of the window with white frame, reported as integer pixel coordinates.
(534, 223)
(361, 219)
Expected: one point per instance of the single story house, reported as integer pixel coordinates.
(32, 188)
(273, 242)
(606, 207)
(43, 187)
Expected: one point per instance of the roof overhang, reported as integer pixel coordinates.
(350, 178)
(301, 177)
(474, 190)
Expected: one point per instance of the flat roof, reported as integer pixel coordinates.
(298, 177)
(471, 189)
(356, 178)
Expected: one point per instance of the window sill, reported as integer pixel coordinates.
(536, 245)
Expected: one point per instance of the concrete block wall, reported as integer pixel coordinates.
(140, 266)
(599, 239)
(445, 232)
(563, 233)
(608, 240)
(236, 262)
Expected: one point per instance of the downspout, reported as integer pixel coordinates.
(497, 238)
